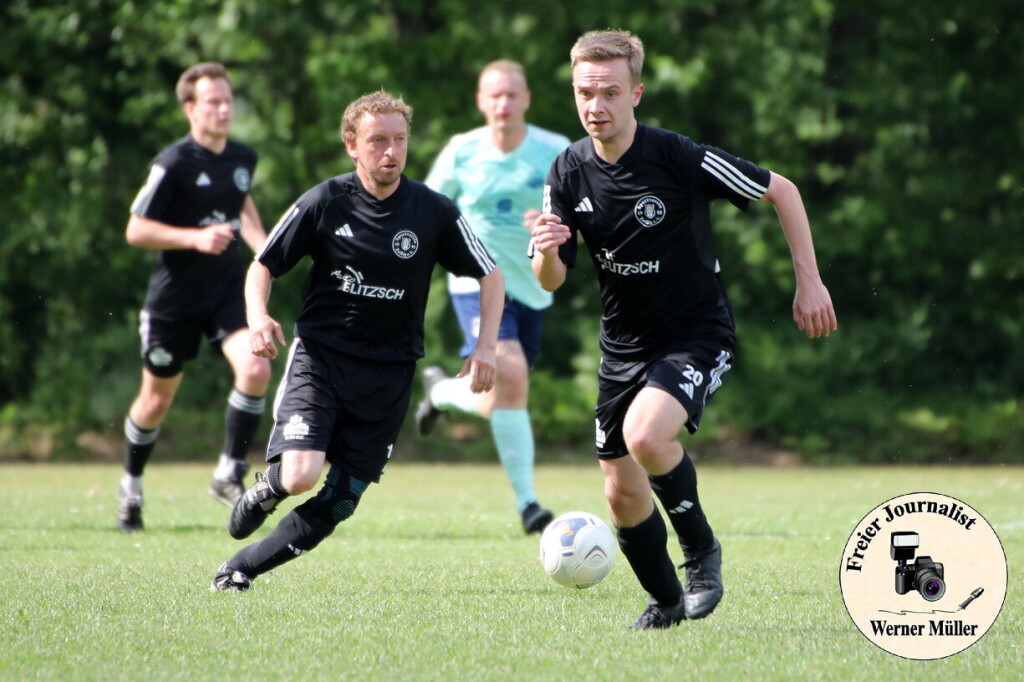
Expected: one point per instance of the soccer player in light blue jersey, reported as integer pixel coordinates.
(495, 174)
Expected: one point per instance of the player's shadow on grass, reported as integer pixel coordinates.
(157, 529)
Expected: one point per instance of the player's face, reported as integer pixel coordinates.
(379, 150)
(210, 113)
(503, 99)
(605, 98)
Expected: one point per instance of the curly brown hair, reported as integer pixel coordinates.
(375, 103)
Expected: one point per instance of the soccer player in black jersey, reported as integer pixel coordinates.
(374, 237)
(639, 197)
(191, 211)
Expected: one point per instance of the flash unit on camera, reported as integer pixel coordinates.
(903, 545)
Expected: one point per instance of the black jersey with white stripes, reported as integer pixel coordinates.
(192, 186)
(646, 222)
(366, 292)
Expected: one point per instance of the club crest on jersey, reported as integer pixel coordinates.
(650, 210)
(242, 179)
(405, 244)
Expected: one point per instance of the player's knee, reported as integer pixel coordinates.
(511, 389)
(332, 505)
(342, 510)
(644, 445)
(152, 405)
(297, 479)
(255, 374)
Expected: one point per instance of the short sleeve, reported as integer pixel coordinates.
(730, 177)
(158, 192)
(461, 252)
(293, 236)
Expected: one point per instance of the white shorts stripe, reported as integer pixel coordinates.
(716, 374)
(279, 395)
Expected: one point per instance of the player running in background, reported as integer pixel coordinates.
(495, 174)
(191, 211)
(374, 237)
(640, 199)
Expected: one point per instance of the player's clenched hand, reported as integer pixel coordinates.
(549, 233)
(214, 239)
(264, 336)
(813, 311)
(481, 366)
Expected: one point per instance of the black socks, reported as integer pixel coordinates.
(138, 446)
(241, 420)
(677, 491)
(644, 548)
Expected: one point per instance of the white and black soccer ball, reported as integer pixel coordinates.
(577, 549)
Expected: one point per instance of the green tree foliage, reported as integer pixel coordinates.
(900, 122)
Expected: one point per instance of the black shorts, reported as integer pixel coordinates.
(168, 343)
(691, 374)
(347, 407)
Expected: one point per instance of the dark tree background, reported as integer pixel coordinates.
(900, 122)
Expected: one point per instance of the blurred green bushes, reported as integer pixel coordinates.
(900, 122)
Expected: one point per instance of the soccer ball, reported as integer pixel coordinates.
(577, 549)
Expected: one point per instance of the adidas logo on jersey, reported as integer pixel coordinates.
(688, 389)
(344, 231)
(203, 180)
(584, 206)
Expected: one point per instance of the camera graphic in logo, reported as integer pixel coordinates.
(924, 575)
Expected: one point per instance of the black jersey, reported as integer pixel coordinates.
(191, 186)
(366, 292)
(646, 221)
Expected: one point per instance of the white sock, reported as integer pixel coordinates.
(131, 484)
(449, 393)
(225, 470)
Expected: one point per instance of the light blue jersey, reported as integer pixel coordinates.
(493, 190)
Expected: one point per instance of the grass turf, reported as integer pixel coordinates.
(433, 579)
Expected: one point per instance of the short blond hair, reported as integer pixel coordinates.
(375, 103)
(502, 66)
(186, 88)
(604, 46)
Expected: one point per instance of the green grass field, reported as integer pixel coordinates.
(432, 579)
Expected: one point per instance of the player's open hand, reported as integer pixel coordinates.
(214, 239)
(549, 233)
(813, 311)
(264, 336)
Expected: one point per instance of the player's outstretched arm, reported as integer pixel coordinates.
(264, 331)
(252, 227)
(548, 234)
(153, 234)
(482, 363)
(812, 305)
